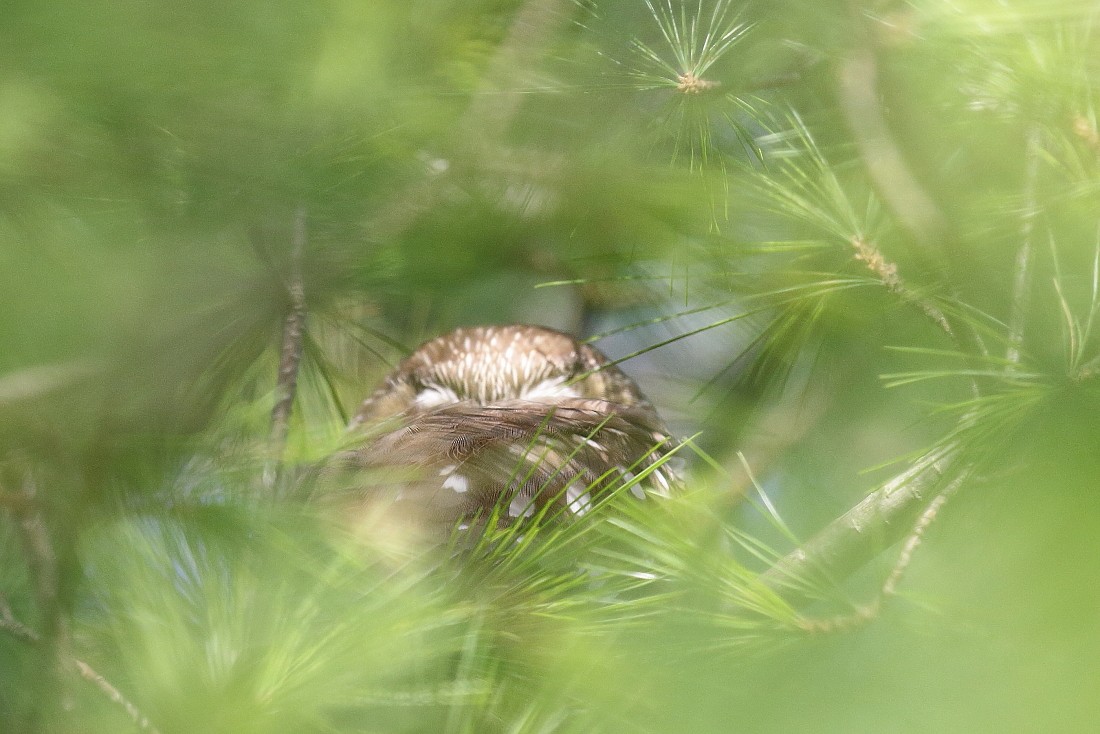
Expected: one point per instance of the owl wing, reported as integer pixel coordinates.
(464, 463)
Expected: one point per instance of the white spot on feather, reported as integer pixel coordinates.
(457, 482)
(660, 478)
(676, 466)
(577, 498)
(520, 506)
(635, 488)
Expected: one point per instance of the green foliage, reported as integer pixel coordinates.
(853, 245)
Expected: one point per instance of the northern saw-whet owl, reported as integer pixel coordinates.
(504, 424)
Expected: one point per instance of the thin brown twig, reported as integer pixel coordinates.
(498, 97)
(916, 537)
(40, 555)
(887, 272)
(52, 637)
(860, 98)
(89, 674)
(290, 355)
(860, 101)
(16, 502)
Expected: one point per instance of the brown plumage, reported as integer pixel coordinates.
(509, 422)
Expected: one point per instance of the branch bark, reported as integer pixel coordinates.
(9, 622)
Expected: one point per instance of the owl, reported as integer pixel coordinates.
(498, 425)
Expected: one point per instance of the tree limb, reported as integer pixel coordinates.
(499, 96)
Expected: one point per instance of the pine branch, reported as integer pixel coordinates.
(40, 555)
(870, 611)
(498, 98)
(860, 102)
(916, 537)
(882, 519)
(16, 502)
